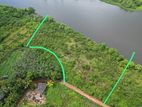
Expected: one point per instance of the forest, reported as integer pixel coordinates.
(90, 66)
(128, 5)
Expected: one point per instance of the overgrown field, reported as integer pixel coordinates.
(129, 5)
(92, 67)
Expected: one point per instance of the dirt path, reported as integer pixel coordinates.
(96, 101)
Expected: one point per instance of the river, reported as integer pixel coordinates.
(99, 21)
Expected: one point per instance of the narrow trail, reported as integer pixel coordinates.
(96, 101)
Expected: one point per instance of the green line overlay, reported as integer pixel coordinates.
(38, 27)
(122, 74)
(62, 67)
(40, 47)
(47, 50)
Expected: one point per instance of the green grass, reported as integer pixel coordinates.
(6, 66)
(60, 96)
(92, 67)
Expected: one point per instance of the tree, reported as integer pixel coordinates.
(31, 10)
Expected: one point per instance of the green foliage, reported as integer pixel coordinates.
(60, 96)
(1, 47)
(92, 67)
(30, 10)
(129, 5)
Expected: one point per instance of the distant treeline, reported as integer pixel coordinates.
(129, 5)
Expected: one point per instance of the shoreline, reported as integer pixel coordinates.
(123, 7)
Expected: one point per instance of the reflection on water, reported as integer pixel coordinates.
(100, 21)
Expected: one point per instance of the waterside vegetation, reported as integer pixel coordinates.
(128, 5)
(92, 67)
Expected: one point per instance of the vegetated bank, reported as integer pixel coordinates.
(92, 67)
(128, 5)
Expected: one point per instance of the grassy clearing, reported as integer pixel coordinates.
(60, 96)
(6, 66)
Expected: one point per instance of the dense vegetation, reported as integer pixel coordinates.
(129, 5)
(92, 67)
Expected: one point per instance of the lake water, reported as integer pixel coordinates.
(100, 21)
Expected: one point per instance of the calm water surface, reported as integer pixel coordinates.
(100, 21)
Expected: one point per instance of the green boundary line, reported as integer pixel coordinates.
(122, 74)
(38, 27)
(62, 67)
(40, 47)
(47, 50)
